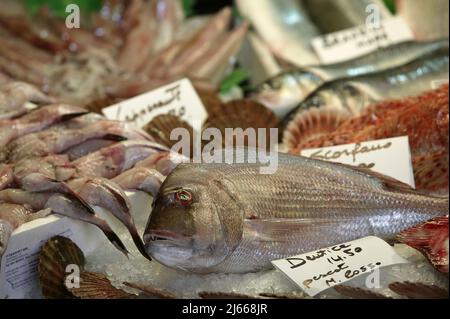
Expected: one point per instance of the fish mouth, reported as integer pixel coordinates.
(155, 236)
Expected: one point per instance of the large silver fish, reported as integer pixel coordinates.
(353, 94)
(285, 91)
(335, 15)
(231, 218)
(285, 27)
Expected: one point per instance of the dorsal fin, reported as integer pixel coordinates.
(388, 182)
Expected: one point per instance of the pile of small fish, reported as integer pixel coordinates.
(400, 70)
(129, 48)
(61, 159)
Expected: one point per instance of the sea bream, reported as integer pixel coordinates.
(286, 90)
(231, 218)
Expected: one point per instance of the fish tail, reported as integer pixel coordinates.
(430, 239)
(111, 196)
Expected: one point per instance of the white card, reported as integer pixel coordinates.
(438, 83)
(355, 42)
(391, 157)
(178, 98)
(319, 270)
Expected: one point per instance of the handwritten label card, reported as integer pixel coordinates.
(391, 157)
(178, 98)
(319, 270)
(438, 83)
(352, 43)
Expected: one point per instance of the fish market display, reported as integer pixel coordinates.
(285, 91)
(353, 95)
(152, 220)
(59, 159)
(428, 20)
(132, 47)
(230, 218)
(285, 27)
(335, 15)
(423, 118)
(45, 116)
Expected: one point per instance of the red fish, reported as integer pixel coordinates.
(431, 239)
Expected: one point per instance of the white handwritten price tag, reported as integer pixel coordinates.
(178, 98)
(438, 83)
(319, 270)
(352, 43)
(391, 157)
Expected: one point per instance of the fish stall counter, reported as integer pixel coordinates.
(19, 265)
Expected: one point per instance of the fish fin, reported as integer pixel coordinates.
(420, 235)
(67, 117)
(429, 238)
(110, 234)
(418, 290)
(388, 182)
(280, 229)
(120, 197)
(114, 137)
(66, 189)
(67, 205)
(40, 214)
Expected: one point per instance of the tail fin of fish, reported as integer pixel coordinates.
(429, 238)
(107, 194)
(67, 117)
(71, 207)
(115, 137)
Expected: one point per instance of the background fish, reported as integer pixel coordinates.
(335, 15)
(285, 27)
(286, 90)
(230, 218)
(354, 94)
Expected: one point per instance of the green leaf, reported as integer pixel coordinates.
(188, 7)
(58, 7)
(235, 78)
(391, 5)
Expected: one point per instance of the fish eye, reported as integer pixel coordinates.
(183, 197)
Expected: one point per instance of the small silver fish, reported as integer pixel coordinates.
(285, 91)
(230, 218)
(354, 94)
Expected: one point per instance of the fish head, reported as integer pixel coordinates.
(193, 225)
